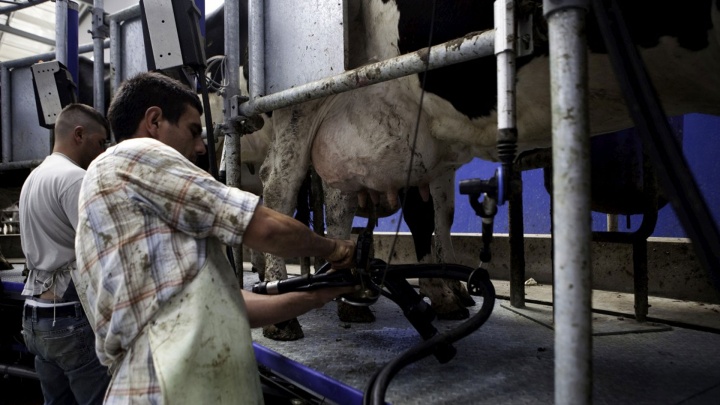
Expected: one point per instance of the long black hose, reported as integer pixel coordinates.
(674, 175)
(208, 124)
(377, 386)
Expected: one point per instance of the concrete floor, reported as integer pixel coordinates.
(510, 359)
(675, 359)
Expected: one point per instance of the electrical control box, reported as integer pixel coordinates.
(171, 31)
(54, 89)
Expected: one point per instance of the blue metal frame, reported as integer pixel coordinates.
(308, 378)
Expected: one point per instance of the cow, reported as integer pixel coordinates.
(361, 142)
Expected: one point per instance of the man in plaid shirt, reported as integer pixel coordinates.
(171, 321)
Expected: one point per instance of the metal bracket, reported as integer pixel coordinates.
(51, 95)
(524, 37)
(100, 25)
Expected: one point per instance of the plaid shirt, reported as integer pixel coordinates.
(145, 214)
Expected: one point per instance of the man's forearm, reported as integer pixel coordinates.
(278, 234)
(268, 309)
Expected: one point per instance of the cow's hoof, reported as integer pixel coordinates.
(462, 295)
(356, 314)
(465, 298)
(453, 315)
(260, 273)
(288, 330)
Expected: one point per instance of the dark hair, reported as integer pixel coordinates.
(79, 114)
(145, 90)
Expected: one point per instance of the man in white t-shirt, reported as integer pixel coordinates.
(55, 327)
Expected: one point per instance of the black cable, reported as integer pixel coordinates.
(676, 180)
(208, 123)
(375, 392)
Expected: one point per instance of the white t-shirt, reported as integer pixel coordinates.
(48, 218)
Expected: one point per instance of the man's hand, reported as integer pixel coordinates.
(322, 296)
(343, 256)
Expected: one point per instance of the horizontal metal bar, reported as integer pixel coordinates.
(24, 164)
(28, 35)
(18, 371)
(127, 13)
(20, 6)
(447, 53)
(31, 60)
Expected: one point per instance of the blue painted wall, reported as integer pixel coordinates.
(701, 146)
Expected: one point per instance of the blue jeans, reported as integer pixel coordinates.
(65, 359)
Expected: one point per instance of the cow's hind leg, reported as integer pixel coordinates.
(449, 298)
(282, 174)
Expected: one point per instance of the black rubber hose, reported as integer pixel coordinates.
(675, 178)
(208, 124)
(377, 386)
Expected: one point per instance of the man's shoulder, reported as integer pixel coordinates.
(57, 167)
(140, 146)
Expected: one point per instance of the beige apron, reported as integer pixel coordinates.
(201, 343)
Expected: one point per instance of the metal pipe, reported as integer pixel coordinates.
(505, 47)
(98, 35)
(116, 43)
(6, 123)
(17, 7)
(256, 43)
(571, 201)
(24, 164)
(28, 35)
(231, 147)
(505, 53)
(18, 371)
(612, 223)
(448, 53)
(115, 54)
(61, 10)
(30, 60)
(71, 43)
(126, 13)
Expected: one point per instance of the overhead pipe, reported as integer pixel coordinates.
(445, 54)
(20, 6)
(30, 60)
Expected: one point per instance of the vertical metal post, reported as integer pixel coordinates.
(612, 223)
(6, 123)
(256, 45)
(99, 34)
(71, 41)
(116, 61)
(571, 198)
(61, 9)
(505, 52)
(232, 91)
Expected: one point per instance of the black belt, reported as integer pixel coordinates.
(65, 311)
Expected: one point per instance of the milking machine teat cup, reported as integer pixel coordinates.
(326, 277)
(493, 192)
